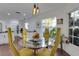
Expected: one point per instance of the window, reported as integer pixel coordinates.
(51, 23)
(74, 27)
(26, 25)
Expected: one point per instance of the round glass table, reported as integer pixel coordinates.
(35, 45)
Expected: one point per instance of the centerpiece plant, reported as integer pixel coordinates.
(53, 32)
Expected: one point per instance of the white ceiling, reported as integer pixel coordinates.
(26, 8)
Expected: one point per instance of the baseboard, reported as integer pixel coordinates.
(63, 52)
(3, 44)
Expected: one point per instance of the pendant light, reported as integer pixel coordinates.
(35, 9)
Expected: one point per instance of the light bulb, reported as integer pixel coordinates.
(37, 10)
(24, 14)
(8, 13)
(34, 11)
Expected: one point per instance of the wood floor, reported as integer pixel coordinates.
(5, 51)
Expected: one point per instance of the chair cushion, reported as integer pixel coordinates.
(26, 52)
(44, 52)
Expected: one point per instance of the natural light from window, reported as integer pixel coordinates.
(26, 26)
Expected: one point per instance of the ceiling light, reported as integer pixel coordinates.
(34, 5)
(35, 9)
(9, 14)
(24, 14)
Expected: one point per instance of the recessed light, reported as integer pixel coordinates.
(24, 14)
(9, 14)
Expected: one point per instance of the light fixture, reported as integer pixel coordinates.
(24, 14)
(35, 9)
(9, 14)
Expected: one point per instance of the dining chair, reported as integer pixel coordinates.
(57, 42)
(52, 52)
(15, 51)
(24, 37)
(46, 34)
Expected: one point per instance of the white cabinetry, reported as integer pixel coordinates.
(3, 38)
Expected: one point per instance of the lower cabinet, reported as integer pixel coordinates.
(3, 38)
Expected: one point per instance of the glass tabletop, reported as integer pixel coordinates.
(40, 43)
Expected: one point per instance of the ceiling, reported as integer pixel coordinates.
(26, 8)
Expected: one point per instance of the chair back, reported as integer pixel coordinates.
(24, 37)
(11, 45)
(46, 34)
(57, 42)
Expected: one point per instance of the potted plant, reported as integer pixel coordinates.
(53, 32)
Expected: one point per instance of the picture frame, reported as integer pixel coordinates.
(60, 21)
